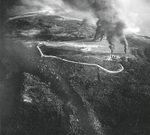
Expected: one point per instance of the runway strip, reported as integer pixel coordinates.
(81, 63)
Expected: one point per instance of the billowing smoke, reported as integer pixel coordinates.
(104, 10)
(134, 13)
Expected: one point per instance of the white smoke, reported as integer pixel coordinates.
(135, 13)
(38, 6)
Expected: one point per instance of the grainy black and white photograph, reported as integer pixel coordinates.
(74, 67)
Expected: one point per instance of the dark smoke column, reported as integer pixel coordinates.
(102, 9)
(106, 13)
